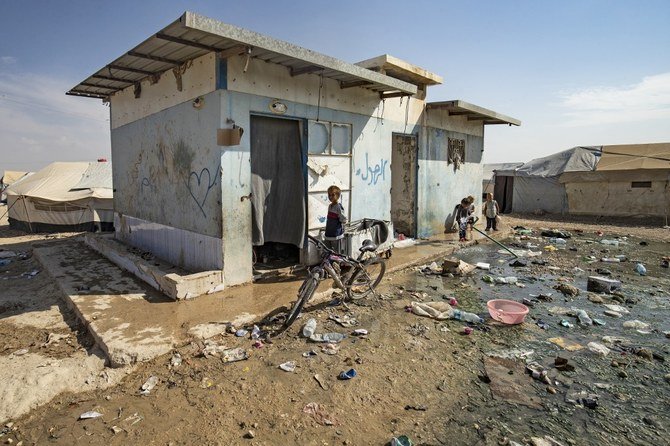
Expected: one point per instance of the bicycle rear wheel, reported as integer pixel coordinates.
(366, 279)
(306, 292)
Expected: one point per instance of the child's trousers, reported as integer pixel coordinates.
(491, 223)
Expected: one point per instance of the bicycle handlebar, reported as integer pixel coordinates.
(323, 246)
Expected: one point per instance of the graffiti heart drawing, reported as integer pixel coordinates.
(199, 185)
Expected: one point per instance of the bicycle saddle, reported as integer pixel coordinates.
(368, 246)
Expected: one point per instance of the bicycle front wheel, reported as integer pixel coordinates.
(366, 279)
(306, 292)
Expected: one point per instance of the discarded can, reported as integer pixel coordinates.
(349, 374)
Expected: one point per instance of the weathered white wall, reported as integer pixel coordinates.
(197, 80)
(169, 171)
(166, 170)
(618, 198)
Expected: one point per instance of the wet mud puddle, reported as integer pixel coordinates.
(603, 382)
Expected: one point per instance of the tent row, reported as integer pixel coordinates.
(616, 180)
(63, 197)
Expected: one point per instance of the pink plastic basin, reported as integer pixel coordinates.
(507, 311)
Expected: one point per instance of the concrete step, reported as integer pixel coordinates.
(132, 322)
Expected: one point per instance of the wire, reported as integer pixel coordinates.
(3, 96)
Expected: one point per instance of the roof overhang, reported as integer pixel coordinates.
(472, 112)
(400, 69)
(193, 35)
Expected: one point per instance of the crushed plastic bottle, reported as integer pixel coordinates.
(640, 269)
(256, 332)
(583, 316)
(309, 328)
(610, 260)
(558, 241)
(598, 348)
(609, 242)
(467, 317)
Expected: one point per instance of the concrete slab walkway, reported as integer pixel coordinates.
(132, 322)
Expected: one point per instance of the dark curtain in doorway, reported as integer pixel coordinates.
(503, 192)
(277, 182)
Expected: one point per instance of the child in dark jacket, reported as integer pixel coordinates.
(335, 220)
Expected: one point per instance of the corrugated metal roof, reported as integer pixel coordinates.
(472, 112)
(193, 35)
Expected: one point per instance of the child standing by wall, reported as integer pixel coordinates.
(491, 211)
(335, 220)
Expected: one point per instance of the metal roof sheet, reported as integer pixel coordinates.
(472, 112)
(193, 35)
(635, 156)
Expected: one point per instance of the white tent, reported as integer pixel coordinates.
(535, 185)
(63, 197)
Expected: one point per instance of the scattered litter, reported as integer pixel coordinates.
(406, 243)
(598, 348)
(149, 385)
(345, 321)
(602, 284)
(457, 267)
(582, 316)
(419, 407)
(638, 325)
(567, 289)
(234, 354)
(566, 344)
(309, 328)
(330, 349)
(256, 332)
(346, 375)
(309, 354)
(176, 360)
(582, 398)
(54, 338)
(21, 352)
(402, 440)
(327, 337)
(90, 414)
(7, 254)
(288, 366)
(321, 382)
(538, 372)
(482, 265)
(5, 262)
(360, 332)
(319, 414)
(241, 333)
(563, 365)
(518, 263)
(617, 308)
(467, 330)
(640, 269)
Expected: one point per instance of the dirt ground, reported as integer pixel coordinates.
(416, 376)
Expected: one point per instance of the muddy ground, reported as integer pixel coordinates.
(415, 376)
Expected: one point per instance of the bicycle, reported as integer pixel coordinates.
(356, 277)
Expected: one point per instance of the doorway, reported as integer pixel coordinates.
(277, 191)
(403, 184)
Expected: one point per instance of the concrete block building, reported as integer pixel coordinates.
(224, 139)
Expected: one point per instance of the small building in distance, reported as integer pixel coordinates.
(630, 180)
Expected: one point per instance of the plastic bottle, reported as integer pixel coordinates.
(640, 269)
(467, 317)
(610, 260)
(610, 242)
(558, 241)
(583, 317)
(256, 332)
(309, 328)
